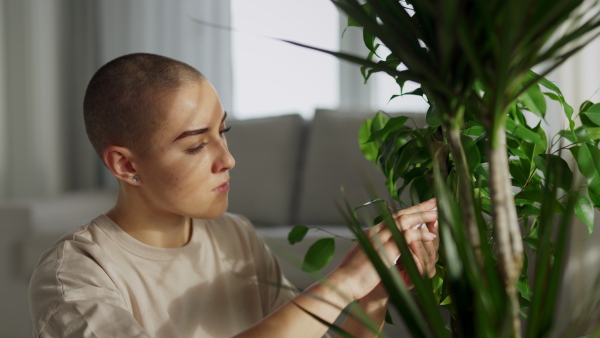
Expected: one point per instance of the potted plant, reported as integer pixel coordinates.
(501, 182)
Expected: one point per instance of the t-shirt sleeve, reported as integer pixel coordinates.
(80, 303)
(90, 319)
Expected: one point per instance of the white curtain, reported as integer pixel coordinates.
(168, 28)
(49, 49)
(579, 80)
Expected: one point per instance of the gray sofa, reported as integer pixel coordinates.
(288, 171)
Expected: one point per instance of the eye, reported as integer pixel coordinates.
(197, 149)
(222, 132)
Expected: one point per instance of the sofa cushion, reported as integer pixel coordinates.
(334, 159)
(267, 153)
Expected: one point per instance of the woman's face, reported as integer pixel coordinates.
(187, 170)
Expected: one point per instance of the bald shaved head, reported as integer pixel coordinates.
(123, 99)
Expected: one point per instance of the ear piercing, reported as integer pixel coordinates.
(136, 178)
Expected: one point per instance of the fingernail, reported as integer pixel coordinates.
(436, 224)
(434, 236)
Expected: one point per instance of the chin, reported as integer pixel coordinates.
(214, 212)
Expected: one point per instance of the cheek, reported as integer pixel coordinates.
(186, 177)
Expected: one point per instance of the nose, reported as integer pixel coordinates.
(225, 160)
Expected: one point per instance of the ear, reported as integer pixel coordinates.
(119, 161)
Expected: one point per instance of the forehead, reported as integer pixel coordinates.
(194, 105)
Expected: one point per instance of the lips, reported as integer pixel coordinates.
(222, 188)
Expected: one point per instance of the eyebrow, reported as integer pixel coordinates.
(197, 131)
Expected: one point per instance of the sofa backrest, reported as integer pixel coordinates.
(267, 153)
(289, 171)
(333, 160)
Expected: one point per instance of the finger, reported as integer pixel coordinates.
(389, 251)
(412, 235)
(414, 220)
(423, 206)
(431, 253)
(423, 255)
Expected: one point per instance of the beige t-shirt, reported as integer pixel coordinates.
(97, 281)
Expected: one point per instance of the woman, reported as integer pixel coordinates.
(167, 261)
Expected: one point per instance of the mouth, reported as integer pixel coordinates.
(222, 188)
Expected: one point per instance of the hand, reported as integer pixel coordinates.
(357, 277)
(424, 253)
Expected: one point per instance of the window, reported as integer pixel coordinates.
(272, 77)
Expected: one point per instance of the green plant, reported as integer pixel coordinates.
(489, 166)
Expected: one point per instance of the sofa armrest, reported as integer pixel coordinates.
(15, 322)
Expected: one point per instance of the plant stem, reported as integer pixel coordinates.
(466, 190)
(506, 228)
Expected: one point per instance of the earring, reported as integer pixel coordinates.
(136, 178)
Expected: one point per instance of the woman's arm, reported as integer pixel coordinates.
(425, 255)
(355, 277)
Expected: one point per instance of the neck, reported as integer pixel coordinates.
(149, 226)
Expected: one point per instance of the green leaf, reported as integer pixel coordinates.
(392, 125)
(521, 132)
(527, 210)
(417, 92)
(471, 153)
(518, 173)
(318, 255)
(297, 234)
(585, 106)
(588, 159)
(568, 134)
(354, 23)
(420, 190)
(558, 167)
(581, 135)
(474, 130)
(559, 97)
(592, 132)
(529, 197)
(532, 242)
(595, 199)
(369, 40)
(369, 149)
(524, 290)
(432, 118)
(534, 100)
(584, 210)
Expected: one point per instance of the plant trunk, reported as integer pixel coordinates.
(506, 227)
(465, 190)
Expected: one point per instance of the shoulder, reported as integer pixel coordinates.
(68, 270)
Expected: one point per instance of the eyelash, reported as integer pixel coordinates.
(200, 147)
